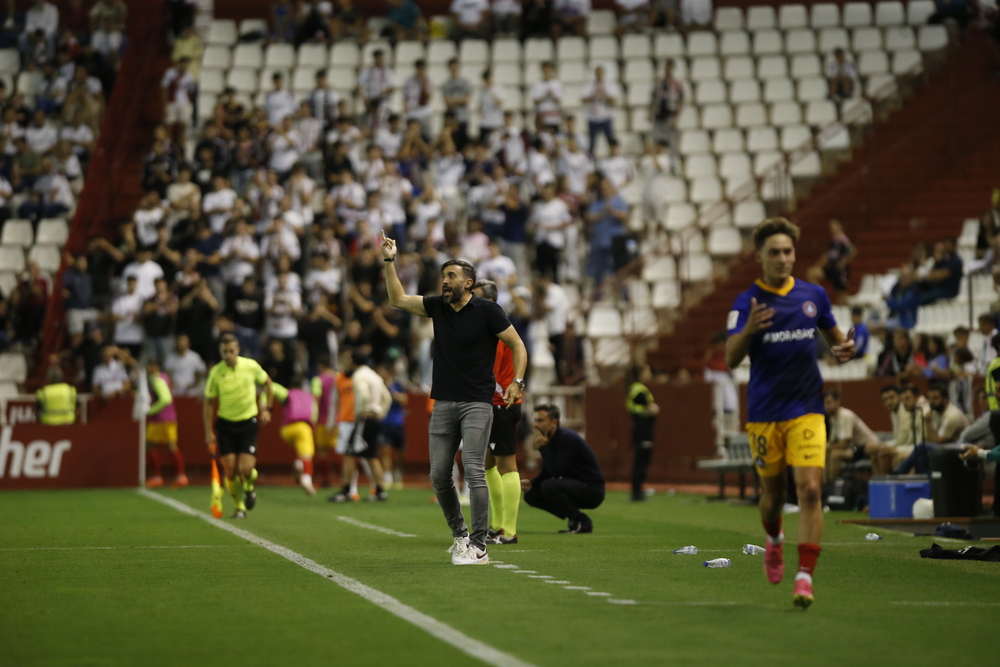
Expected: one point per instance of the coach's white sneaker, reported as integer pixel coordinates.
(471, 556)
(460, 545)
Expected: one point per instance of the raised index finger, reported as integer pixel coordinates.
(383, 236)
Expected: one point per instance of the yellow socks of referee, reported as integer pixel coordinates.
(495, 484)
(248, 483)
(235, 488)
(511, 502)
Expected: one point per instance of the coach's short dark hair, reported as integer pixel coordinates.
(772, 226)
(227, 338)
(550, 409)
(468, 270)
(489, 289)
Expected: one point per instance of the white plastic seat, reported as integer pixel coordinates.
(702, 43)
(806, 65)
(706, 189)
(604, 48)
(473, 52)
(778, 90)
(749, 214)
(733, 165)
(341, 78)
(888, 14)
(857, 14)
(52, 231)
(786, 113)
(710, 92)
(727, 141)
(506, 50)
(13, 367)
(8, 389)
(820, 113)
(800, 41)
(439, 52)
(696, 268)
(369, 49)
(866, 39)
(680, 216)
(873, 62)
(907, 62)
(791, 17)
(279, 55)
(47, 257)
(702, 164)
(824, 15)
(303, 80)
(672, 190)
(312, 55)
(248, 55)
(834, 137)
(28, 82)
(601, 22)
(744, 90)
(689, 118)
(538, 49)
(833, 38)
(932, 37)
(900, 38)
(857, 111)
(507, 74)
(668, 45)
(222, 31)
(705, 68)
(570, 48)
(766, 161)
(772, 67)
(761, 18)
(409, 51)
(767, 42)
(242, 80)
(795, 136)
(666, 294)
(248, 26)
(10, 60)
(638, 96)
(659, 268)
(640, 322)
(636, 46)
(728, 18)
(694, 141)
(918, 11)
(212, 81)
(639, 71)
(739, 67)
(215, 56)
(573, 71)
(17, 233)
(762, 139)
(750, 115)
(807, 166)
(724, 242)
(604, 321)
(345, 54)
(735, 43)
(812, 88)
(690, 240)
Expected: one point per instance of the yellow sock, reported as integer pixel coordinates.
(236, 491)
(495, 484)
(248, 483)
(511, 502)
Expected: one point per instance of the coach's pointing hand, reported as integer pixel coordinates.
(760, 317)
(388, 247)
(512, 393)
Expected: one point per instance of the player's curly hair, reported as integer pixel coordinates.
(772, 226)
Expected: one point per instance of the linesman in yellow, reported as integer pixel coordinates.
(56, 401)
(233, 382)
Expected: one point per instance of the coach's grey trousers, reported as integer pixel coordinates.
(451, 423)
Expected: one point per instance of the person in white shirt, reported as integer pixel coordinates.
(547, 97)
(417, 93)
(280, 103)
(390, 139)
(841, 76)
(324, 278)
(450, 167)
(284, 144)
(239, 254)
(506, 17)
(576, 166)
(79, 134)
(428, 211)
(110, 378)
(396, 193)
(601, 97)
(183, 197)
(696, 13)
(569, 17)
(475, 243)
(10, 130)
(126, 311)
(308, 132)
(218, 204)
(549, 219)
(40, 135)
(301, 191)
(471, 19)
(283, 307)
(145, 271)
(510, 144)
(540, 171)
(150, 215)
(617, 168)
(51, 195)
(491, 112)
(555, 306)
(375, 86)
(500, 269)
(41, 16)
(349, 200)
(179, 87)
(185, 367)
(654, 165)
(324, 101)
(280, 240)
(372, 169)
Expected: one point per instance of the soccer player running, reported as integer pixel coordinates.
(233, 384)
(466, 328)
(324, 388)
(298, 416)
(502, 477)
(161, 427)
(776, 322)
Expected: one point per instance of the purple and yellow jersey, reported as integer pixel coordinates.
(785, 382)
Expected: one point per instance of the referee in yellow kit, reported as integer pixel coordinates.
(233, 381)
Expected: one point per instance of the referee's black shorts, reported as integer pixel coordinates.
(503, 436)
(237, 437)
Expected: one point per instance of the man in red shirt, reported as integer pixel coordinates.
(502, 477)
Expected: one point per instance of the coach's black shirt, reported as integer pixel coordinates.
(465, 347)
(568, 455)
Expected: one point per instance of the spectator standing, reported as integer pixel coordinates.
(196, 319)
(280, 102)
(158, 315)
(189, 45)
(536, 19)
(601, 97)
(471, 19)
(665, 109)
(126, 311)
(862, 336)
(186, 368)
(576, 166)
(323, 101)
(549, 220)
(457, 93)
(110, 378)
(570, 17)
(506, 18)
(240, 254)
(633, 16)
(179, 88)
(547, 96)
(617, 168)
(554, 309)
(404, 21)
(376, 83)
(417, 93)
(78, 298)
(218, 204)
(606, 218)
(491, 113)
(283, 307)
(246, 311)
(841, 76)
(41, 20)
(835, 266)
(696, 13)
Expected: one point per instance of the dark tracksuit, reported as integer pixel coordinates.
(570, 479)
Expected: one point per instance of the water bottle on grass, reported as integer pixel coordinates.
(717, 562)
(752, 550)
(686, 550)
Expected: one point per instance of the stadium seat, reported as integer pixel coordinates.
(833, 38)
(900, 38)
(250, 26)
(8, 282)
(702, 43)
(216, 57)
(636, 46)
(767, 42)
(303, 80)
(732, 165)
(506, 50)
(222, 31)
(17, 233)
(824, 15)
(639, 295)
(907, 62)
(369, 49)
(10, 60)
(888, 14)
(800, 41)
(248, 55)
(727, 141)
(806, 65)
(408, 52)
(762, 138)
(601, 22)
(765, 161)
(778, 90)
(341, 78)
(13, 367)
(659, 268)
(639, 96)
(507, 74)
(532, 73)
(932, 37)
(666, 294)
(749, 214)
(440, 52)
(811, 89)
(761, 18)
(604, 321)
(695, 268)
(735, 43)
(702, 164)
(857, 111)
(724, 242)
(706, 190)
(751, 115)
(611, 352)
(473, 52)
(772, 67)
(728, 18)
(212, 82)
(739, 67)
(672, 190)
(873, 62)
(705, 68)
(668, 45)
(8, 390)
(604, 48)
(694, 141)
(28, 82)
(785, 113)
(791, 17)
(689, 118)
(279, 56)
(857, 14)
(918, 11)
(820, 113)
(12, 258)
(639, 72)
(312, 55)
(47, 257)
(243, 80)
(265, 82)
(571, 48)
(54, 231)
(807, 166)
(690, 240)
(795, 136)
(716, 117)
(679, 216)
(345, 54)
(538, 49)
(866, 39)
(710, 92)
(834, 137)
(744, 90)
(573, 71)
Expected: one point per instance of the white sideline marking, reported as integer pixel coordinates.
(691, 604)
(539, 576)
(599, 594)
(621, 602)
(428, 624)
(524, 572)
(505, 566)
(917, 603)
(577, 588)
(556, 581)
(166, 546)
(372, 526)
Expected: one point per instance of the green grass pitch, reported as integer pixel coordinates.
(115, 578)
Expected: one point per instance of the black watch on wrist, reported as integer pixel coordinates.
(520, 383)
(391, 259)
